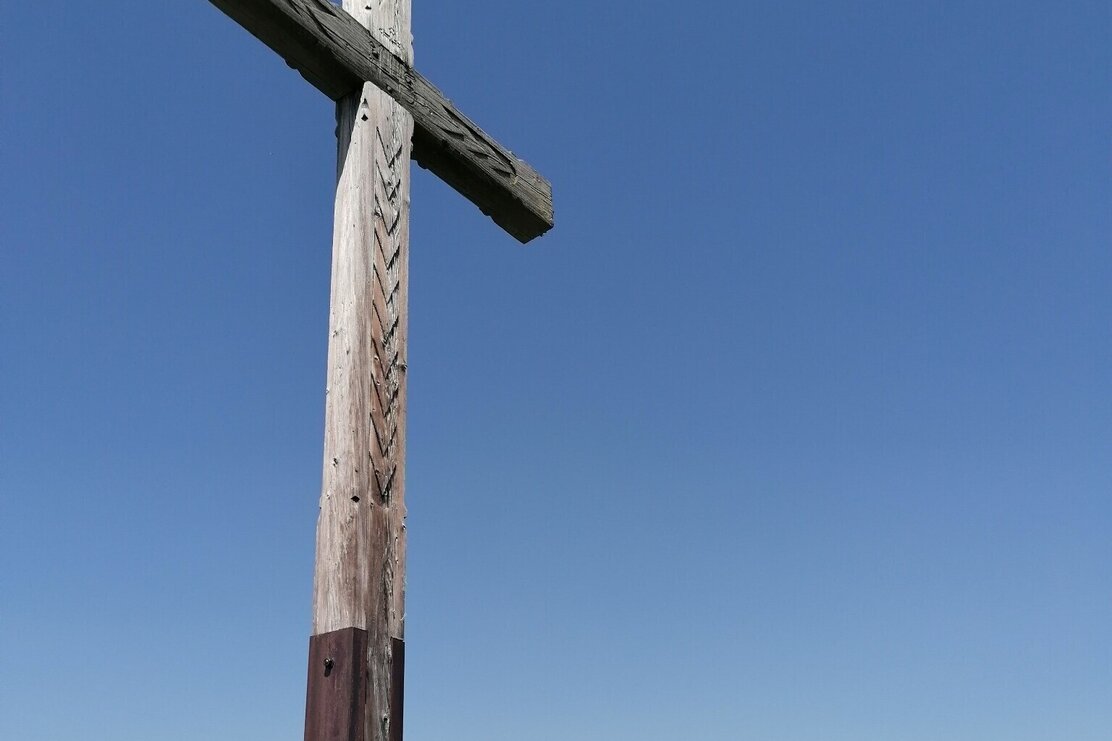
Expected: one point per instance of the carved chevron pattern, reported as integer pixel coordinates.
(387, 245)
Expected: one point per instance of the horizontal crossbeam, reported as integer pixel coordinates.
(336, 54)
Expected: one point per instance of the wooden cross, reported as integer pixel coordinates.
(360, 56)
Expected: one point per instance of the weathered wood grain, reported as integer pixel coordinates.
(359, 581)
(337, 55)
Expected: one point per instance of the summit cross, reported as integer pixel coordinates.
(360, 55)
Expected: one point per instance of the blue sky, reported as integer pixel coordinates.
(797, 427)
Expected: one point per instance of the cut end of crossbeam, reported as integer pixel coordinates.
(525, 237)
(526, 226)
(521, 222)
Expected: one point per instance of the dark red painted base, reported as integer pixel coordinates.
(336, 694)
(337, 689)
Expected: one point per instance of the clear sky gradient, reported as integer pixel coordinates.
(798, 427)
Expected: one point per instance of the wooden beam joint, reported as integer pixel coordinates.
(336, 55)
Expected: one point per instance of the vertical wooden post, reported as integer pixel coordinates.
(357, 648)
